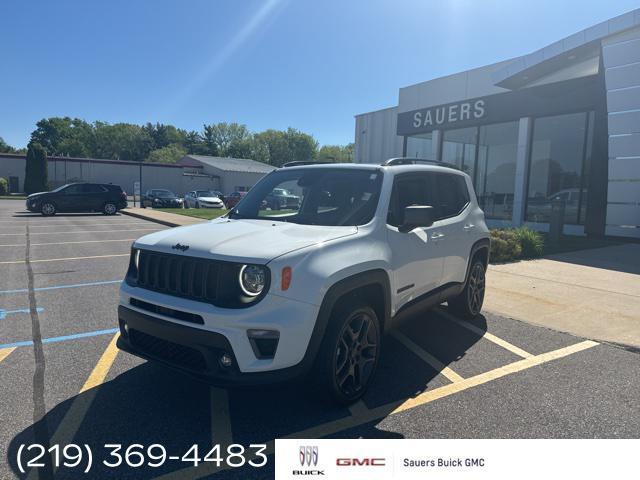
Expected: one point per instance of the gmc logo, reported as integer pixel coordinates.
(361, 462)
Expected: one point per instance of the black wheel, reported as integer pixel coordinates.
(48, 209)
(350, 353)
(469, 303)
(109, 208)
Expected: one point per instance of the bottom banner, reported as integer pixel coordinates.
(455, 459)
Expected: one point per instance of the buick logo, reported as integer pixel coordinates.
(182, 248)
(308, 456)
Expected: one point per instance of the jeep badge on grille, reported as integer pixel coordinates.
(182, 248)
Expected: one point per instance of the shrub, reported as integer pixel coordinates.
(35, 178)
(4, 186)
(505, 246)
(531, 242)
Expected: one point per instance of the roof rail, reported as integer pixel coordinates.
(412, 161)
(300, 163)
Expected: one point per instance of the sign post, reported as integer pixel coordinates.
(136, 192)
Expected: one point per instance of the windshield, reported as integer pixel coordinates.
(327, 196)
(205, 193)
(163, 193)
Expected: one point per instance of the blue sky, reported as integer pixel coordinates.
(309, 64)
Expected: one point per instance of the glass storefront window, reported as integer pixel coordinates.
(420, 146)
(496, 171)
(459, 148)
(557, 167)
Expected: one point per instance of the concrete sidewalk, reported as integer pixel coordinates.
(164, 218)
(590, 293)
(593, 293)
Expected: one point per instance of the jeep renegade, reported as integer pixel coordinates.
(262, 295)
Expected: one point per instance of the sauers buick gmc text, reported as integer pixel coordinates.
(265, 295)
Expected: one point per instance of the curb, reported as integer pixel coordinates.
(150, 219)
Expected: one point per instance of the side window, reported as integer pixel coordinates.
(73, 189)
(453, 195)
(93, 188)
(412, 189)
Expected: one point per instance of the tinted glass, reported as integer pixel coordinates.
(459, 148)
(92, 188)
(414, 189)
(452, 195)
(420, 146)
(319, 196)
(557, 167)
(73, 189)
(496, 175)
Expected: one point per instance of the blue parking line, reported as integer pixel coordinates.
(57, 287)
(64, 338)
(4, 313)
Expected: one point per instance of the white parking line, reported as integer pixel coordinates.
(13, 262)
(84, 231)
(69, 243)
(60, 224)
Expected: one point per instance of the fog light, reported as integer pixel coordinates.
(126, 329)
(226, 361)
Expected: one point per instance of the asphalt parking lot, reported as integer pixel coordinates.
(62, 380)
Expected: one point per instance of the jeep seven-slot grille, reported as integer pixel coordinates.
(182, 276)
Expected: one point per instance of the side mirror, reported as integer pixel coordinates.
(417, 216)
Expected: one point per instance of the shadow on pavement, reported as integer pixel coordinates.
(621, 258)
(150, 404)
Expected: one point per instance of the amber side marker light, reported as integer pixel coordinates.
(286, 278)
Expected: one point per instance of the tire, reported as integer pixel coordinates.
(109, 208)
(469, 303)
(48, 209)
(350, 352)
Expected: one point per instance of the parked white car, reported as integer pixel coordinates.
(261, 297)
(202, 199)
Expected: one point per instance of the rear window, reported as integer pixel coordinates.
(452, 194)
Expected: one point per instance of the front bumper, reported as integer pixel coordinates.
(196, 349)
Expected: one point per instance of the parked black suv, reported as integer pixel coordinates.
(79, 197)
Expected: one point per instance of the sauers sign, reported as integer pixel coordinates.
(427, 119)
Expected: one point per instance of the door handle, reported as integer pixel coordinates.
(437, 236)
(468, 227)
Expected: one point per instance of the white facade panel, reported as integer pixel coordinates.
(625, 192)
(623, 215)
(622, 53)
(624, 145)
(623, 100)
(627, 35)
(623, 169)
(623, 77)
(376, 138)
(626, 122)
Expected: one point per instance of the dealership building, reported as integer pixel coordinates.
(561, 122)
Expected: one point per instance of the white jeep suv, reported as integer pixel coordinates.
(266, 295)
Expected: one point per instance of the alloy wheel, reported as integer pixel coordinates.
(356, 354)
(48, 209)
(109, 209)
(475, 289)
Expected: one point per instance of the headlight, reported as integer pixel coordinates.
(156, 199)
(252, 279)
(136, 258)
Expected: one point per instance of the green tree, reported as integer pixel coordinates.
(163, 135)
(36, 176)
(169, 154)
(4, 186)
(122, 141)
(65, 136)
(220, 137)
(5, 147)
(336, 153)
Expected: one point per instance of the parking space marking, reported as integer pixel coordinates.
(58, 287)
(91, 257)
(440, 392)
(85, 224)
(69, 243)
(80, 405)
(4, 313)
(221, 431)
(5, 352)
(64, 338)
(488, 336)
(82, 231)
(427, 357)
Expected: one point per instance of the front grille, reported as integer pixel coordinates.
(188, 277)
(168, 351)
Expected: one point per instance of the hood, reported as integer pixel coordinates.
(257, 241)
(37, 194)
(209, 199)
